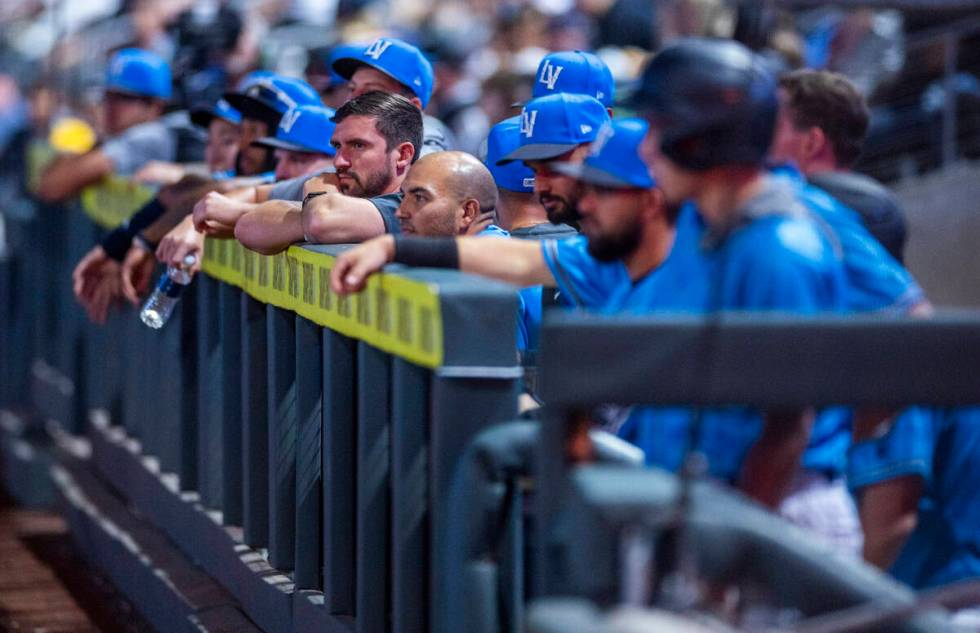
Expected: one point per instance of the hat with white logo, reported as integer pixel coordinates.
(268, 98)
(304, 129)
(574, 72)
(614, 158)
(553, 125)
(504, 138)
(202, 115)
(396, 58)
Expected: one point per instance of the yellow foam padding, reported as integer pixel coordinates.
(398, 315)
(71, 135)
(113, 200)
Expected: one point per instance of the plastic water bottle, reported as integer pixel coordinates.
(158, 308)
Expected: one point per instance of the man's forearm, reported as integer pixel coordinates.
(889, 514)
(271, 227)
(519, 262)
(66, 176)
(775, 458)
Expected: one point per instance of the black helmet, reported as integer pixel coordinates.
(713, 101)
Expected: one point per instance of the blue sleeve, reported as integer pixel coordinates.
(529, 323)
(583, 281)
(876, 281)
(907, 449)
(139, 145)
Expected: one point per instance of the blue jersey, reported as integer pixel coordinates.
(942, 448)
(678, 284)
(777, 259)
(876, 281)
(528, 303)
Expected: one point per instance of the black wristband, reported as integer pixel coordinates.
(117, 243)
(427, 252)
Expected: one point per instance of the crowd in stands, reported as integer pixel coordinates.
(612, 156)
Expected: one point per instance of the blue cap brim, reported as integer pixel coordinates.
(252, 108)
(271, 141)
(594, 176)
(537, 151)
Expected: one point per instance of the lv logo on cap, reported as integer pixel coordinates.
(376, 49)
(289, 120)
(549, 74)
(527, 122)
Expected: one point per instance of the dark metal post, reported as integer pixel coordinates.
(209, 394)
(373, 471)
(230, 371)
(187, 436)
(409, 495)
(255, 416)
(281, 346)
(309, 494)
(461, 406)
(339, 434)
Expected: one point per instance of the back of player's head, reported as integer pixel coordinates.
(395, 118)
(713, 102)
(829, 101)
(504, 138)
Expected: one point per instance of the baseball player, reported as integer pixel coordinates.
(392, 65)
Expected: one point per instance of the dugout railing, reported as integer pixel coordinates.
(776, 362)
(338, 463)
(297, 445)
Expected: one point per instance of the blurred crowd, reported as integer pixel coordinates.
(484, 53)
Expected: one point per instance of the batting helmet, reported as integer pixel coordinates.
(713, 102)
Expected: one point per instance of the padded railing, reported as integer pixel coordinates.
(776, 362)
(318, 432)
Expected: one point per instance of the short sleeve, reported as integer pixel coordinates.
(291, 189)
(583, 281)
(387, 206)
(907, 449)
(139, 145)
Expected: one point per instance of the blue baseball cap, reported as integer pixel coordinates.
(553, 125)
(342, 51)
(304, 129)
(202, 116)
(268, 98)
(614, 158)
(253, 77)
(137, 72)
(574, 72)
(504, 138)
(396, 58)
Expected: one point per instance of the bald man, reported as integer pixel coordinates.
(447, 194)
